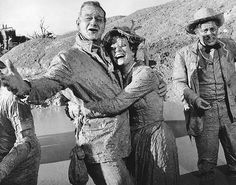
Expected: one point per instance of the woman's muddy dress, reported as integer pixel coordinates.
(154, 158)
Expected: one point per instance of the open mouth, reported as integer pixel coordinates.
(93, 29)
(119, 55)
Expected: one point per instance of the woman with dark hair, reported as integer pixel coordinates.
(154, 158)
(19, 146)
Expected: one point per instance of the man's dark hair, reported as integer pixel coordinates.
(95, 4)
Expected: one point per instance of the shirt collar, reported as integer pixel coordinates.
(208, 48)
(86, 44)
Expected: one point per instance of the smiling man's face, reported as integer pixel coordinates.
(207, 33)
(91, 22)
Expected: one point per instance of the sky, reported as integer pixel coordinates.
(59, 15)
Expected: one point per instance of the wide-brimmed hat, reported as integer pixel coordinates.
(204, 15)
(124, 31)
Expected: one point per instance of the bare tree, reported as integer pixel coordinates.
(44, 33)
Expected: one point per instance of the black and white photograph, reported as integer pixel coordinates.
(118, 92)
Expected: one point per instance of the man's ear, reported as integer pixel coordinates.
(78, 22)
(196, 30)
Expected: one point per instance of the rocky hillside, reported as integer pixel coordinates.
(163, 27)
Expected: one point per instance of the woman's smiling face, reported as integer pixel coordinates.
(121, 51)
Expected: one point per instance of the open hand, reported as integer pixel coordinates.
(72, 110)
(11, 79)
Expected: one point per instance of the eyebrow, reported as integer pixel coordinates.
(92, 15)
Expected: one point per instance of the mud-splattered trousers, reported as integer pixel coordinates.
(217, 124)
(211, 77)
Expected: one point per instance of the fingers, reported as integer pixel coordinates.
(3, 69)
(162, 84)
(162, 89)
(10, 66)
(205, 108)
(71, 113)
(79, 102)
(203, 104)
(10, 88)
(73, 109)
(5, 81)
(8, 69)
(162, 93)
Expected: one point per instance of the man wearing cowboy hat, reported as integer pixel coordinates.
(204, 77)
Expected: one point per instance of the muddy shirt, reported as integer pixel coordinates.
(140, 96)
(19, 146)
(91, 78)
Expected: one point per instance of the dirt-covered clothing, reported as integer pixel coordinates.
(186, 83)
(210, 76)
(19, 146)
(109, 173)
(90, 75)
(154, 157)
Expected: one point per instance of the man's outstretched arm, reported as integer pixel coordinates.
(38, 90)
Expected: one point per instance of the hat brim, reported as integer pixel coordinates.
(133, 38)
(190, 28)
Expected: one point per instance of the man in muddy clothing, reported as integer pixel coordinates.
(19, 146)
(204, 75)
(85, 69)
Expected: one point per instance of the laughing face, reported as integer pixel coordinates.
(121, 51)
(91, 22)
(207, 33)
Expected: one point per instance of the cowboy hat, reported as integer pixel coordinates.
(124, 31)
(205, 15)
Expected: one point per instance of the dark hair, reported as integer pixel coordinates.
(108, 44)
(95, 4)
(108, 49)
